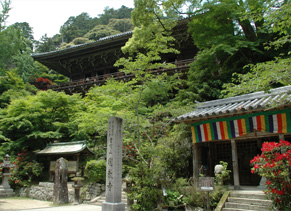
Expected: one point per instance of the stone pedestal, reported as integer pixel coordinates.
(114, 166)
(262, 184)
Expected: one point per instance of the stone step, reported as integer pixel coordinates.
(259, 195)
(248, 201)
(246, 206)
(233, 209)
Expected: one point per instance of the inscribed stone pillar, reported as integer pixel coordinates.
(61, 182)
(235, 165)
(114, 166)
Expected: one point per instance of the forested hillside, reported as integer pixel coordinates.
(83, 28)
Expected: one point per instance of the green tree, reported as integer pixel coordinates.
(100, 31)
(26, 30)
(109, 13)
(5, 6)
(33, 121)
(230, 34)
(122, 25)
(46, 44)
(76, 27)
(273, 73)
(13, 87)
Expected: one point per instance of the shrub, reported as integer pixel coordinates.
(95, 170)
(275, 163)
(224, 176)
(24, 171)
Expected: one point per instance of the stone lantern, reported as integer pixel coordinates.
(77, 186)
(5, 189)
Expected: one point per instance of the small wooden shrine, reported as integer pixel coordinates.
(71, 151)
(233, 130)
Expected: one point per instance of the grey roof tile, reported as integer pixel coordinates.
(240, 104)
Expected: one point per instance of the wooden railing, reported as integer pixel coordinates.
(180, 66)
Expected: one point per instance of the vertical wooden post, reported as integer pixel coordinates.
(195, 164)
(235, 165)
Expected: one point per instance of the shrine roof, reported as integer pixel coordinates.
(66, 148)
(239, 105)
(75, 48)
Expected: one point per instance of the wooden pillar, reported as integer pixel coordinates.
(235, 165)
(195, 164)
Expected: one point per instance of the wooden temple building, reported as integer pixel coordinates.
(233, 130)
(92, 63)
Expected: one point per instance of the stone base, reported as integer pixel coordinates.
(236, 187)
(262, 183)
(8, 192)
(109, 206)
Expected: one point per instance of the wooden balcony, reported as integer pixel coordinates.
(84, 84)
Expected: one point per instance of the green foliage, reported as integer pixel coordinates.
(95, 170)
(26, 30)
(11, 44)
(12, 87)
(274, 164)
(24, 171)
(34, 121)
(46, 44)
(85, 26)
(5, 6)
(224, 176)
(273, 73)
(100, 31)
(180, 194)
(110, 13)
(122, 25)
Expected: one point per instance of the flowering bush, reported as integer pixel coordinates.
(42, 83)
(275, 164)
(129, 150)
(24, 170)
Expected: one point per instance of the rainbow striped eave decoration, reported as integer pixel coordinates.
(220, 129)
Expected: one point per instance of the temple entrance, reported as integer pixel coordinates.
(247, 150)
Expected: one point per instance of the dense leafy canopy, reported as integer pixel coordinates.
(230, 34)
(83, 28)
(243, 46)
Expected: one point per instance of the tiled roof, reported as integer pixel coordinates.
(65, 148)
(85, 45)
(239, 105)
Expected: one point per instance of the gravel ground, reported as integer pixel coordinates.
(18, 204)
(36, 205)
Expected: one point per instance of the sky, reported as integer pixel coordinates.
(47, 16)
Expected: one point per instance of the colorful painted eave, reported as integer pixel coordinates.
(240, 105)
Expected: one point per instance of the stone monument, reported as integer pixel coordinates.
(61, 182)
(114, 166)
(5, 190)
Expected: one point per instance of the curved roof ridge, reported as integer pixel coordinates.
(99, 41)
